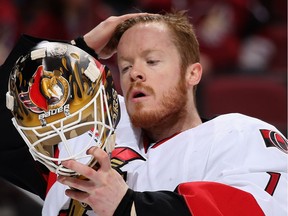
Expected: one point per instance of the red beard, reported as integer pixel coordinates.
(170, 110)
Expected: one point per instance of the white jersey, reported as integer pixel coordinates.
(232, 149)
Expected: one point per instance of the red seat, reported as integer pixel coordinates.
(258, 96)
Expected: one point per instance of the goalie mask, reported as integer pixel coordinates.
(63, 102)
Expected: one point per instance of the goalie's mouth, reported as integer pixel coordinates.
(137, 95)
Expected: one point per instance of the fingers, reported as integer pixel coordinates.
(77, 195)
(99, 36)
(128, 16)
(76, 185)
(101, 157)
(79, 168)
(102, 190)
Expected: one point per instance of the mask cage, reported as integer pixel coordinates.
(100, 125)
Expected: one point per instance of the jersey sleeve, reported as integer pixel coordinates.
(252, 157)
(166, 203)
(212, 198)
(192, 198)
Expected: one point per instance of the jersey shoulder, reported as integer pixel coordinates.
(244, 130)
(241, 122)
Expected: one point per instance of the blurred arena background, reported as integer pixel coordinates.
(243, 46)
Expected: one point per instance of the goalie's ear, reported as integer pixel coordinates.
(193, 74)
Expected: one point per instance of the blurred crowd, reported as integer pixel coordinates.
(235, 35)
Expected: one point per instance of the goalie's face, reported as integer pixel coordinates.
(151, 77)
(57, 93)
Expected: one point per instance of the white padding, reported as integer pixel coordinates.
(92, 72)
(39, 53)
(9, 101)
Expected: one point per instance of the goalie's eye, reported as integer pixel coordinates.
(152, 62)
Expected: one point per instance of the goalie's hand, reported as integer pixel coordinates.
(102, 190)
(100, 35)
